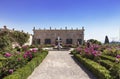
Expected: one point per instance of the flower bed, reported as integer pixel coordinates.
(100, 71)
(102, 60)
(25, 71)
(10, 62)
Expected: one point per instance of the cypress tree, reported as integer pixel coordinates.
(106, 40)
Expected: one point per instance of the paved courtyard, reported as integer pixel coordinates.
(60, 65)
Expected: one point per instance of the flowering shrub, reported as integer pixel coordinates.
(90, 52)
(118, 56)
(25, 47)
(8, 55)
(17, 59)
(111, 50)
(107, 56)
(117, 60)
(24, 72)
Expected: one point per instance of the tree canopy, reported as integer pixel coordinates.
(20, 37)
(7, 38)
(93, 41)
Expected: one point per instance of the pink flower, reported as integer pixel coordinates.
(30, 55)
(25, 56)
(118, 56)
(10, 71)
(78, 49)
(7, 55)
(34, 50)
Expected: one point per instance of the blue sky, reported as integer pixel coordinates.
(99, 17)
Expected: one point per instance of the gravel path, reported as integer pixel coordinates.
(60, 65)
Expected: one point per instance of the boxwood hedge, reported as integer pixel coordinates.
(108, 58)
(107, 64)
(100, 71)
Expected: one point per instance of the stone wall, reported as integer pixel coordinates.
(52, 34)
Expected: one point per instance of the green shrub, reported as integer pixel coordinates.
(111, 51)
(7, 38)
(73, 52)
(47, 45)
(107, 64)
(108, 58)
(115, 71)
(100, 71)
(20, 37)
(93, 41)
(14, 76)
(1, 65)
(5, 42)
(2, 58)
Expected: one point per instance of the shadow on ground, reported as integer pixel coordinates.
(84, 69)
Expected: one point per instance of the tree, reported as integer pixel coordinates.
(20, 37)
(5, 42)
(7, 38)
(106, 40)
(93, 41)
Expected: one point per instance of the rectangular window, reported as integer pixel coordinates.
(38, 41)
(47, 41)
(79, 41)
(68, 41)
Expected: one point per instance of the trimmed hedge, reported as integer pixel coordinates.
(2, 58)
(115, 71)
(100, 71)
(1, 65)
(25, 71)
(108, 58)
(107, 64)
(73, 52)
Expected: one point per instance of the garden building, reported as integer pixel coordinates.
(50, 36)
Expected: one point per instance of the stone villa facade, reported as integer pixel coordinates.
(50, 36)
